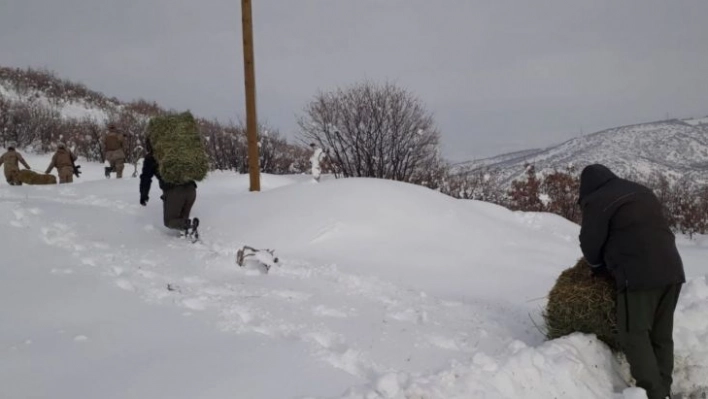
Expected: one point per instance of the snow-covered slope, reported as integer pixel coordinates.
(384, 290)
(673, 148)
(697, 121)
(67, 108)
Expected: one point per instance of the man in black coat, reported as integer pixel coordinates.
(624, 233)
(177, 200)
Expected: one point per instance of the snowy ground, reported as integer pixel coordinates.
(385, 290)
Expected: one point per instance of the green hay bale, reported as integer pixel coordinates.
(582, 303)
(33, 178)
(178, 148)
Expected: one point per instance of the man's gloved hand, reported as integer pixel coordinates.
(144, 200)
(601, 272)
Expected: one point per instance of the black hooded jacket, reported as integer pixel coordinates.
(624, 228)
(152, 169)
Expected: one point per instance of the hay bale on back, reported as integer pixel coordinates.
(31, 177)
(178, 148)
(580, 302)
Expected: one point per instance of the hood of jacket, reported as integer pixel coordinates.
(592, 178)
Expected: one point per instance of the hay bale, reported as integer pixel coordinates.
(178, 148)
(31, 177)
(580, 302)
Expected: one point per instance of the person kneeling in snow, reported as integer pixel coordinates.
(177, 200)
(624, 233)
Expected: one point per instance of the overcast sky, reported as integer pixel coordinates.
(498, 75)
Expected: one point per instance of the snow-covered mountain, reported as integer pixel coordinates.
(674, 148)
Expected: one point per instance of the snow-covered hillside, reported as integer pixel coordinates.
(384, 290)
(673, 148)
(697, 121)
(68, 108)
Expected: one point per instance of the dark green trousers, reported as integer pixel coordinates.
(645, 320)
(176, 206)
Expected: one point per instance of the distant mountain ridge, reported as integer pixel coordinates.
(674, 148)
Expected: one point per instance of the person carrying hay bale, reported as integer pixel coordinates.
(624, 234)
(12, 160)
(177, 157)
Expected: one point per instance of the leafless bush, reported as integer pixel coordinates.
(481, 185)
(144, 107)
(555, 192)
(371, 130)
(87, 138)
(27, 124)
(685, 203)
(561, 193)
(228, 149)
(525, 194)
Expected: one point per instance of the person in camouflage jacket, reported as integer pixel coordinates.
(12, 160)
(63, 159)
(114, 145)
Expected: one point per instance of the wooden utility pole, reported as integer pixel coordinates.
(251, 116)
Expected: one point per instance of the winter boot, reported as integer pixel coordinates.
(194, 230)
(108, 170)
(187, 228)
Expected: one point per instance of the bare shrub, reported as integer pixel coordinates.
(371, 130)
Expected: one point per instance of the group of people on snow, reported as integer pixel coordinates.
(624, 234)
(63, 160)
(177, 199)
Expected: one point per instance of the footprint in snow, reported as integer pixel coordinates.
(62, 271)
(410, 316)
(148, 262)
(324, 339)
(147, 274)
(125, 284)
(324, 311)
(326, 232)
(443, 342)
(100, 245)
(291, 295)
(194, 304)
(194, 280)
(19, 217)
(19, 214)
(88, 262)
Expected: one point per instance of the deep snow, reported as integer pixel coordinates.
(384, 290)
